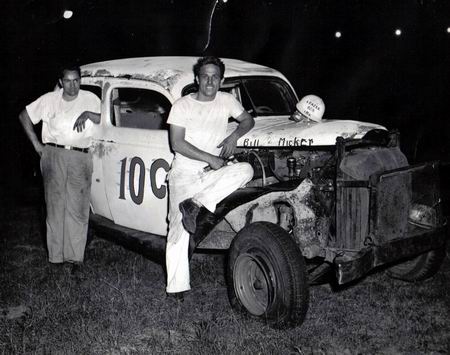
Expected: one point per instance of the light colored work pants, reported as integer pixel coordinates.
(208, 188)
(67, 185)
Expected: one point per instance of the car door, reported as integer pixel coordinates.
(99, 202)
(133, 146)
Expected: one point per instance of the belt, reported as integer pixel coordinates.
(69, 147)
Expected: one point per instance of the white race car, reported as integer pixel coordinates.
(337, 193)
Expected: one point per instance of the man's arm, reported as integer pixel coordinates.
(246, 123)
(180, 145)
(27, 125)
(86, 115)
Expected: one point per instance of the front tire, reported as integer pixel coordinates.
(267, 276)
(420, 267)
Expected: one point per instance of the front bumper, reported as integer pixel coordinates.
(350, 266)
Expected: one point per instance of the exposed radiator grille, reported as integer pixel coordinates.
(352, 219)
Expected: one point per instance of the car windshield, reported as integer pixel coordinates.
(260, 95)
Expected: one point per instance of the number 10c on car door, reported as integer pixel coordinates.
(135, 170)
(137, 178)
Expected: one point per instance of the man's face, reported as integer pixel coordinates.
(70, 83)
(208, 82)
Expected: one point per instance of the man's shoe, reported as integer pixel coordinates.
(177, 296)
(189, 209)
(205, 222)
(55, 268)
(76, 269)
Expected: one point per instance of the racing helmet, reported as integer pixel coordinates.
(311, 106)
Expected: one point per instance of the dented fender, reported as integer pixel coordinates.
(267, 208)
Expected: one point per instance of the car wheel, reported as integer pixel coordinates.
(267, 276)
(420, 267)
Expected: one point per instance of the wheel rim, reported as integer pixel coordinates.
(253, 283)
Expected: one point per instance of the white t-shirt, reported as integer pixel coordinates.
(58, 117)
(205, 124)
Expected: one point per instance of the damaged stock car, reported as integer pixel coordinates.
(331, 198)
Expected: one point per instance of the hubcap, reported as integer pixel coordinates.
(253, 283)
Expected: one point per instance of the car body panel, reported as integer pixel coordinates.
(171, 73)
(135, 178)
(130, 168)
(273, 131)
(263, 209)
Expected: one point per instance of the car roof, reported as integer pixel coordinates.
(172, 73)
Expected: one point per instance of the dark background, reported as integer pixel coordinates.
(368, 74)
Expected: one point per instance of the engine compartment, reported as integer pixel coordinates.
(334, 179)
(272, 165)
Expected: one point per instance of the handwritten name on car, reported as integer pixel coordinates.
(282, 142)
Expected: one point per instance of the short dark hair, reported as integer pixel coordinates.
(69, 68)
(209, 60)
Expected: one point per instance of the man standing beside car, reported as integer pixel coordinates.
(198, 124)
(67, 117)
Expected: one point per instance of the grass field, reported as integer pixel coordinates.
(118, 306)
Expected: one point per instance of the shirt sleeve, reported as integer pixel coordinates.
(36, 110)
(177, 115)
(235, 106)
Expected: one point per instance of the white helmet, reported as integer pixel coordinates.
(311, 106)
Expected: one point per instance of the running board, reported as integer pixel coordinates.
(152, 246)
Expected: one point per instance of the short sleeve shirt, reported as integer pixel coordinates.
(205, 123)
(58, 117)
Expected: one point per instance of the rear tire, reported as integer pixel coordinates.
(267, 276)
(420, 267)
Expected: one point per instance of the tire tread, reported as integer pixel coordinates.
(419, 268)
(290, 259)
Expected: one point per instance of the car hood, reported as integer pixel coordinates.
(280, 131)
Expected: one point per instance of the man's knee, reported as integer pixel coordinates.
(245, 170)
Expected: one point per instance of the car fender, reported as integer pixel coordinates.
(264, 204)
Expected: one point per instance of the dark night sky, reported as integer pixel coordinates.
(368, 74)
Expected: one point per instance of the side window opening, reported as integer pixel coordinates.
(259, 95)
(139, 108)
(97, 90)
(238, 91)
(269, 96)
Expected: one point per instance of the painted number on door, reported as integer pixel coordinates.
(137, 185)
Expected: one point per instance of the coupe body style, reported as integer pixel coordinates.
(334, 198)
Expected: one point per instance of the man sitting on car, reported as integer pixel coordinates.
(198, 124)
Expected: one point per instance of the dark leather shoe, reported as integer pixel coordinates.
(55, 268)
(189, 209)
(76, 269)
(205, 222)
(177, 296)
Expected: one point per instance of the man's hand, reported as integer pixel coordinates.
(228, 146)
(216, 162)
(39, 148)
(80, 122)
(27, 125)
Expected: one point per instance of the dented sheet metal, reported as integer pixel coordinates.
(264, 209)
(171, 73)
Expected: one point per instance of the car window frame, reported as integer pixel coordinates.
(117, 83)
(240, 83)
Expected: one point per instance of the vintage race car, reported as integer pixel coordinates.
(332, 197)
